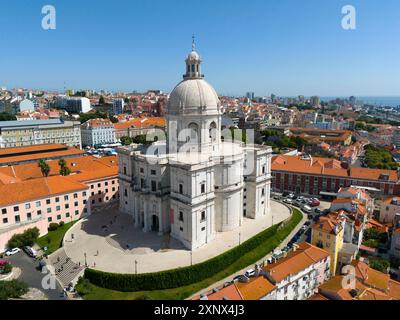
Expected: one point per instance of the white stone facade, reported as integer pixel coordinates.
(195, 184)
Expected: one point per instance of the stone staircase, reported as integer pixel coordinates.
(65, 269)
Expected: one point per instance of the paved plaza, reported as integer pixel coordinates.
(108, 241)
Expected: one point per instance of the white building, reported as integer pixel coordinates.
(196, 184)
(96, 132)
(26, 105)
(118, 106)
(73, 104)
(298, 275)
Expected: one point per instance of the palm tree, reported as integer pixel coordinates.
(44, 167)
(64, 170)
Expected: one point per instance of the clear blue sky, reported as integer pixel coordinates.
(286, 47)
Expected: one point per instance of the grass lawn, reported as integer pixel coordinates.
(53, 240)
(92, 292)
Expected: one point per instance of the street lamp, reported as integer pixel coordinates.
(85, 259)
(191, 257)
(135, 266)
(239, 237)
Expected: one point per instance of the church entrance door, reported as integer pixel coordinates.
(155, 225)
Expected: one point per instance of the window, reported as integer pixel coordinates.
(92, 193)
(153, 172)
(48, 210)
(5, 220)
(263, 192)
(38, 204)
(106, 183)
(17, 219)
(263, 169)
(203, 188)
(181, 229)
(48, 201)
(66, 206)
(203, 216)
(4, 211)
(49, 219)
(76, 212)
(204, 228)
(29, 216)
(100, 199)
(141, 170)
(75, 196)
(39, 213)
(85, 210)
(59, 217)
(16, 209)
(125, 170)
(84, 201)
(67, 215)
(93, 201)
(125, 192)
(92, 186)
(113, 189)
(57, 199)
(84, 194)
(153, 186)
(99, 192)
(180, 188)
(98, 185)
(27, 205)
(180, 216)
(65, 198)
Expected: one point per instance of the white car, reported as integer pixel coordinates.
(12, 251)
(250, 273)
(306, 209)
(289, 201)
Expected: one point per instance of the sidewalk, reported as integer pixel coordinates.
(228, 279)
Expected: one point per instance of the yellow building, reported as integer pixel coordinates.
(327, 234)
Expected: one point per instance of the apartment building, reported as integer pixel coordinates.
(297, 276)
(328, 234)
(332, 137)
(96, 132)
(32, 132)
(73, 104)
(324, 177)
(28, 199)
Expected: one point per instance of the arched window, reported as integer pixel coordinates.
(194, 131)
(213, 131)
(193, 67)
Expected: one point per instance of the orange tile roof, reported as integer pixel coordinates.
(33, 148)
(305, 256)
(30, 190)
(229, 292)
(44, 155)
(256, 288)
(329, 167)
(328, 225)
(371, 276)
(141, 123)
(317, 297)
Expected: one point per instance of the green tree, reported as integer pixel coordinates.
(12, 289)
(5, 116)
(44, 167)
(64, 170)
(102, 100)
(126, 141)
(113, 119)
(27, 238)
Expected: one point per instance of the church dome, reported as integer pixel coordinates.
(193, 95)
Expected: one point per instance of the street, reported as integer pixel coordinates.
(33, 277)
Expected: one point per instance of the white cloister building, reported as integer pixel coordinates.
(195, 183)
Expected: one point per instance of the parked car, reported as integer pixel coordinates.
(288, 201)
(30, 251)
(12, 251)
(317, 210)
(250, 273)
(306, 209)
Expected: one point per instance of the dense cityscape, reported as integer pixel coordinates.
(189, 194)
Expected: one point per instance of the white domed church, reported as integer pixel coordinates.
(195, 183)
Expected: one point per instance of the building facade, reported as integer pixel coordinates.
(27, 199)
(97, 132)
(194, 184)
(31, 132)
(73, 104)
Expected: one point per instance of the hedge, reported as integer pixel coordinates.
(27, 238)
(179, 277)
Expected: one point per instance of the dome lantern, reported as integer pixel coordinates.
(193, 61)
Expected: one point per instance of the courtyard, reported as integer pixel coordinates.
(108, 241)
